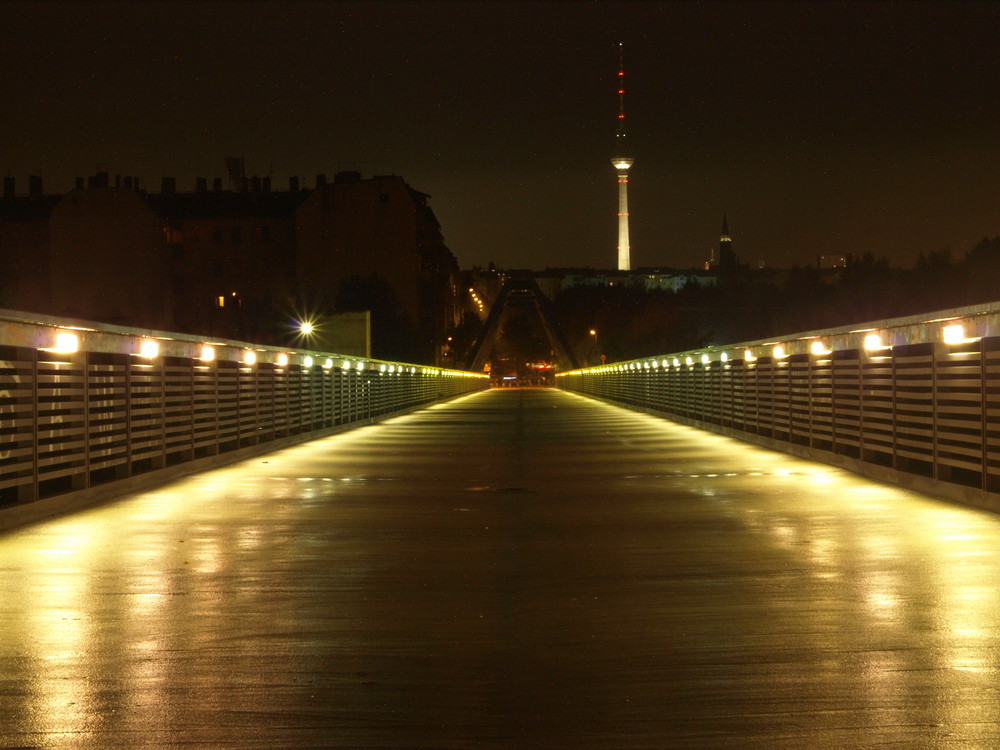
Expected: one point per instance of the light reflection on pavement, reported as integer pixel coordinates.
(516, 569)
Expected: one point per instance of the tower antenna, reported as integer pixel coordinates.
(621, 162)
(621, 90)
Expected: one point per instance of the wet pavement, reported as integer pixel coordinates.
(515, 569)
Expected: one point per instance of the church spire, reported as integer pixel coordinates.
(727, 259)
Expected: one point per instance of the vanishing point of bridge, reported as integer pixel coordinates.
(515, 568)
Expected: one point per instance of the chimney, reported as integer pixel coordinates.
(8, 187)
(101, 179)
(266, 184)
(128, 182)
(168, 186)
(118, 180)
(255, 182)
(293, 184)
(320, 180)
(217, 184)
(35, 186)
(201, 184)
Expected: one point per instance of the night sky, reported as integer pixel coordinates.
(817, 128)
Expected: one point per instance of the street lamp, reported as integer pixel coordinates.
(597, 351)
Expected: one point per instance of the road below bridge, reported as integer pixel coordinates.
(514, 569)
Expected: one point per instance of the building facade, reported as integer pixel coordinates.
(240, 264)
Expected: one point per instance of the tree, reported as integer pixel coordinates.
(393, 333)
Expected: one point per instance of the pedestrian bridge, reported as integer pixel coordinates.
(514, 568)
(88, 411)
(509, 568)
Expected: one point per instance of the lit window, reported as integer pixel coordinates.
(220, 301)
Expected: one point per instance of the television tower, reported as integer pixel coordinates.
(621, 162)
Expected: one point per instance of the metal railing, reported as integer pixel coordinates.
(912, 400)
(84, 405)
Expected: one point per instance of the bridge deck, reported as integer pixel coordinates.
(515, 569)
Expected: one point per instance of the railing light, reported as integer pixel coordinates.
(677, 362)
(149, 349)
(954, 334)
(346, 364)
(360, 366)
(327, 364)
(779, 351)
(249, 357)
(873, 342)
(282, 360)
(749, 356)
(688, 361)
(724, 357)
(307, 362)
(705, 359)
(207, 353)
(64, 343)
(819, 348)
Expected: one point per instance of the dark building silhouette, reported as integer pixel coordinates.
(230, 263)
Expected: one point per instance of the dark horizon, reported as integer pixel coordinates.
(816, 128)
